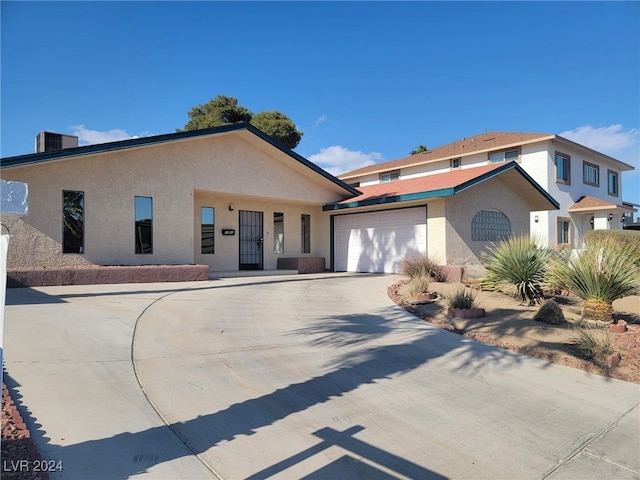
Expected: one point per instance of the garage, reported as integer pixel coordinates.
(376, 242)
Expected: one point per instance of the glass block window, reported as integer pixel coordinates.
(490, 226)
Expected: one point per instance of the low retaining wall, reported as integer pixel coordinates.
(92, 275)
(302, 264)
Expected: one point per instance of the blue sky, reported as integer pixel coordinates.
(364, 81)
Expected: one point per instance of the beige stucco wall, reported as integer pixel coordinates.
(226, 255)
(437, 231)
(233, 165)
(462, 207)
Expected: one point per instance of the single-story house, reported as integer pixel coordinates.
(233, 198)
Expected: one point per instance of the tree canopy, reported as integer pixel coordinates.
(419, 149)
(224, 110)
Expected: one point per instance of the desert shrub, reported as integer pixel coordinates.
(419, 285)
(592, 342)
(418, 266)
(462, 298)
(629, 240)
(605, 271)
(517, 266)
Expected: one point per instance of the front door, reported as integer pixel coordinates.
(251, 240)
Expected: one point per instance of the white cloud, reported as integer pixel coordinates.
(90, 137)
(320, 120)
(337, 159)
(611, 140)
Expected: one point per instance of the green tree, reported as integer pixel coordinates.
(221, 110)
(419, 149)
(224, 110)
(278, 126)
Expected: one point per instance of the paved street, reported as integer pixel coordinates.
(308, 376)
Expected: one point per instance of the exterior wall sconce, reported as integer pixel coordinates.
(230, 207)
(610, 216)
(535, 218)
(591, 221)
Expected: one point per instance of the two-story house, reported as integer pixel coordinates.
(586, 185)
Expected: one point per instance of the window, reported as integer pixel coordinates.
(504, 156)
(563, 168)
(455, 163)
(278, 232)
(72, 221)
(306, 233)
(144, 224)
(490, 226)
(389, 176)
(564, 232)
(207, 230)
(591, 174)
(612, 182)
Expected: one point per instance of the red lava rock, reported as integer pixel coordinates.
(614, 360)
(619, 327)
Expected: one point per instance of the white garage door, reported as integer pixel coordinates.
(378, 241)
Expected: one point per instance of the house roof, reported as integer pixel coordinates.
(484, 142)
(587, 204)
(441, 185)
(34, 158)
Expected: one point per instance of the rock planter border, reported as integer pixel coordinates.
(466, 312)
(426, 297)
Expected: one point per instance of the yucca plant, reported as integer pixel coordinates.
(517, 266)
(602, 273)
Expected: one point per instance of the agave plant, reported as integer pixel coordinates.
(516, 265)
(602, 273)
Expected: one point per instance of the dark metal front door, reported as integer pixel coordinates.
(251, 240)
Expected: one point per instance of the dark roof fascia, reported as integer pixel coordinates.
(443, 192)
(33, 158)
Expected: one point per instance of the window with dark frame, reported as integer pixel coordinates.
(511, 155)
(563, 168)
(306, 233)
(72, 221)
(455, 163)
(278, 232)
(612, 183)
(207, 230)
(591, 174)
(563, 228)
(389, 176)
(143, 207)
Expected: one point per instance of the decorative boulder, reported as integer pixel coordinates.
(550, 312)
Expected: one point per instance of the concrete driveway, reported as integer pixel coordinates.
(314, 376)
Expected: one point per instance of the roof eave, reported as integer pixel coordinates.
(34, 158)
(385, 166)
(392, 199)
